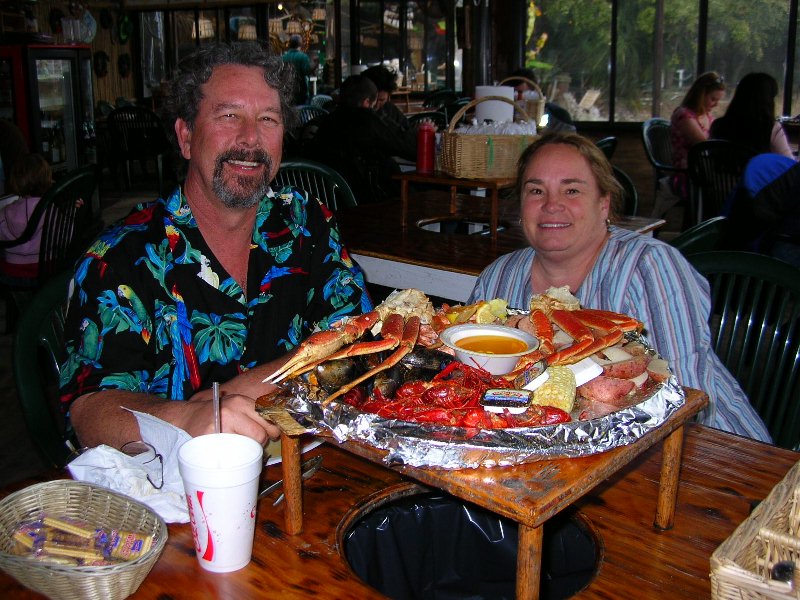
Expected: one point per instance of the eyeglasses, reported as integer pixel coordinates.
(147, 454)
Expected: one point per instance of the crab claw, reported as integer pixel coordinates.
(406, 344)
(391, 334)
(319, 346)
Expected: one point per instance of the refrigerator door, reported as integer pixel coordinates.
(55, 88)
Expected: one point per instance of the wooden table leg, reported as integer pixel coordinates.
(529, 562)
(404, 201)
(453, 190)
(292, 484)
(668, 485)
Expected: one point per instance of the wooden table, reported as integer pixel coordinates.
(721, 479)
(444, 265)
(491, 187)
(552, 485)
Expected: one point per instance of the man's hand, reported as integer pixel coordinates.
(237, 415)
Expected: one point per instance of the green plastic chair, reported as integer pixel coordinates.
(307, 112)
(438, 99)
(608, 145)
(319, 180)
(67, 230)
(37, 354)
(630, 195)
(711, 234)
(755, 331)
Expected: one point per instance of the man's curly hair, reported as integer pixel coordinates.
(184, 91)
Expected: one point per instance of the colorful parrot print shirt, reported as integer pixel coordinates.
(153, 311)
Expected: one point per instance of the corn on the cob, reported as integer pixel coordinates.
(558, 390)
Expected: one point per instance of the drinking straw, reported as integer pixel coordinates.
(217, 423)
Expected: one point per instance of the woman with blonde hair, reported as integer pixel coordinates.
(691, 123)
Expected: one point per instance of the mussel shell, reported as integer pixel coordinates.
(388, 381)
(333, 374)
(425, 358)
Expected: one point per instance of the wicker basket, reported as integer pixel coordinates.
(477, 156)
(741, 566)
(532, 107)
(96, 505)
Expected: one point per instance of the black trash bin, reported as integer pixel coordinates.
(437, 547)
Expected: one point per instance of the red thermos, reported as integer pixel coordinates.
(426, 147)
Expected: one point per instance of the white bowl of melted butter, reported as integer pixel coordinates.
(494, 348)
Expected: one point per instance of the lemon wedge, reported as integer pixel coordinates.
(491, 311)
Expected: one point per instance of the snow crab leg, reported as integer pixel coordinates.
(319, 346)
(405, 345)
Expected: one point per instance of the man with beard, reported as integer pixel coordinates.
(217, 282)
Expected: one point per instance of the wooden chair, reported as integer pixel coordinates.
(319, 180)
(608, 145)
(715, 169)
(755, 331)
(37, 355)
(138, 135)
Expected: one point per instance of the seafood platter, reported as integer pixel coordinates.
(481, 384)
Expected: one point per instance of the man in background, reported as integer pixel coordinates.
(302, 66)
(360, 145)
(386, 82)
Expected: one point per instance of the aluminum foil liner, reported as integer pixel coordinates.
(426, 445)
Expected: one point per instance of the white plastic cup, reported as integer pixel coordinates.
(220, 473)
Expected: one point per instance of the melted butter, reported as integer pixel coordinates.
(492, 344)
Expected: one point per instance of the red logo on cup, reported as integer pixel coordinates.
(209, 553)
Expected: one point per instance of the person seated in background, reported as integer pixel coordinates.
(750, 120)
(568, 200)
(558, 118)
(691, 123)
(215, 283)
(31, 176)
(361, 146)
(386, 82)
(302, 66)
(764, 213)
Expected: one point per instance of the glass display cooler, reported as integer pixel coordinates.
(47, 91)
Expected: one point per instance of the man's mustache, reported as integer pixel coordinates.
(256, 156)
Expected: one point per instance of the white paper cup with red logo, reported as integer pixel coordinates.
(220, 473)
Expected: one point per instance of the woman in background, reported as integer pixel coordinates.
(750, 117)
(30, 178)
(691, 123)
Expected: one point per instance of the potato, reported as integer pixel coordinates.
(627, 369)
(658, 369)
(608, 390)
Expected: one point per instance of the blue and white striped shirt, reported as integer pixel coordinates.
(650, 280)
